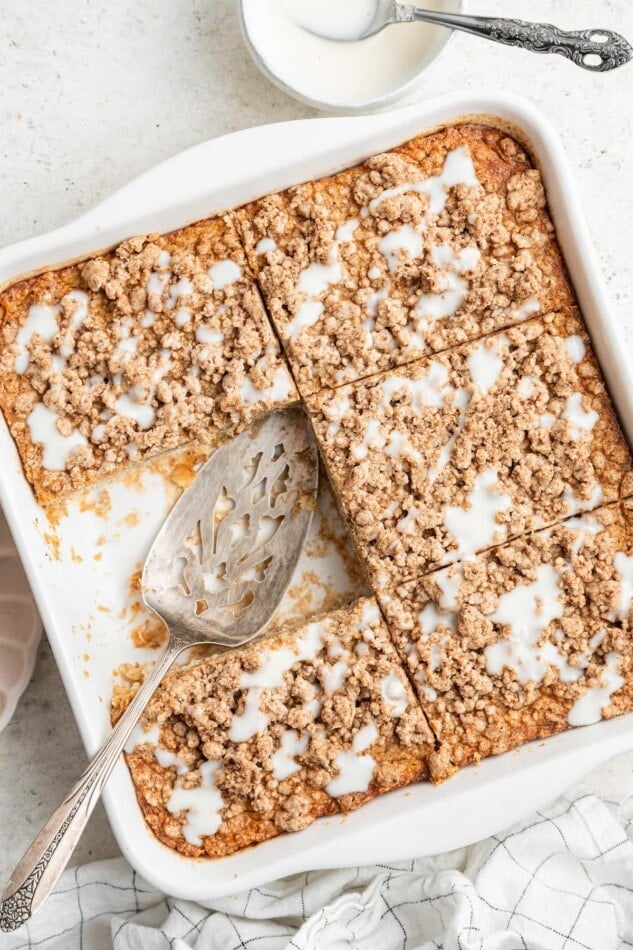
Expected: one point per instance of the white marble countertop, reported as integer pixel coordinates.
(93, 93)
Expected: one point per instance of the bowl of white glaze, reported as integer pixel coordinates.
(340, 75)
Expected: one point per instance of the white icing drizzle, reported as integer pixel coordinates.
(77, 318)
(475, 528)
(273, 665)
(394, 242)
(355, 771)
(41, 321)
(584, 526)
(430, 389)
(224, 273)
(202, 804)
(279, 390)
(588, 708)
(527, 611)
(432, 307)
(394, 694)
(181, 288)
(57, 448)
(335, 411)
(526, 387)
(624, 566)
(574, 503)
(485, 364)
(315, 280)
(430, 618)
(576, 348)
(136, 404)
(407, 524)
(458, 170)
(205, 334)
(265, 245)
(449, 582)
(164, 757)
(372, 439)
(156, 284)
(283, 760)
(579, 420)
(334, 676)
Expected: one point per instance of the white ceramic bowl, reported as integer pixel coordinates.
(20, 627)
(413, 75)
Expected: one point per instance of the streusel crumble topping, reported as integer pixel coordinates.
(161, 342)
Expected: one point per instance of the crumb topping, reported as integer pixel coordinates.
(548, 615)
(449, 456)
(414, 251)
(159, 343)
(321, 715)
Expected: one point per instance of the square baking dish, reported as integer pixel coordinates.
(77, 590)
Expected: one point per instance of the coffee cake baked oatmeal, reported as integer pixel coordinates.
(245, 745)
(160, 342)
(447, 456)
(437, 242)
(524, 641)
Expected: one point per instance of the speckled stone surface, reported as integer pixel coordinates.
(92, 94)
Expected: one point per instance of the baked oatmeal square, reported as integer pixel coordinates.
(248, 744)
(161, 342)
(522, 642)
(448, 456)
(440, 241)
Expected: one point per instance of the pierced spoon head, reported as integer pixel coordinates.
(226, 554)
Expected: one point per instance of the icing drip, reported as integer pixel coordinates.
(57, 448)
(475, 528)
(274, 664)
(588, 708)
(283, 760)
(355, 771)
(394, 694)
(202, 804)
(224, 273)
(41, 321)
(579, 420)
(527, 611)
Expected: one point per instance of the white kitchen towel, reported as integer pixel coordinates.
(562, 880)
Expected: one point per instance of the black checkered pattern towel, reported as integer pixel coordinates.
(563, 880)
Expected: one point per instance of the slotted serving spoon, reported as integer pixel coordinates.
(215, 574)
(597, 50)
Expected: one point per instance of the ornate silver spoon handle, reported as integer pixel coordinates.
(45, 859)
(597, 50)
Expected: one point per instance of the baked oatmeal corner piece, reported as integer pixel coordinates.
(453, 454)
(160, 342)
(435, 243)
(524, 641)
(307, 723)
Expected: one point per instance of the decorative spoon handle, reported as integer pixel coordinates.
(42, 863)
(597, 50)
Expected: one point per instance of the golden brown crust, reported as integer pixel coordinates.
(374, 292)
(517, 644)
(161, 342)
(307, 723)
(520, 422)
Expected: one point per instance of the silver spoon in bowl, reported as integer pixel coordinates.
(215, 574)
(597, 50)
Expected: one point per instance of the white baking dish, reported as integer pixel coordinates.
(89, 642)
